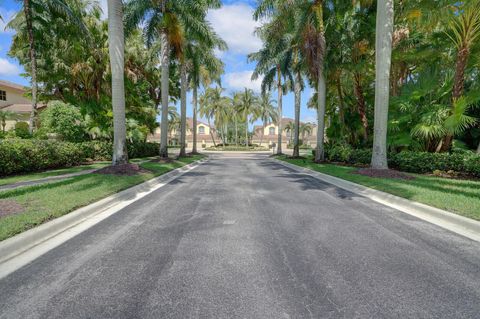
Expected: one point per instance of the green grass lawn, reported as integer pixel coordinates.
(52, 200)
(457, 196)
(57, 172)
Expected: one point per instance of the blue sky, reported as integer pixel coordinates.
(234, 24)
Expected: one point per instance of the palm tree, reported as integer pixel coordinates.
(53, 7)
(164, 20)
(290, 128)
(305, 128)
(211, 103)
(266, 112)
(312, 30)
(116, 42)
(4, 116)
(383, 48)
(465, 29)
(248, 105)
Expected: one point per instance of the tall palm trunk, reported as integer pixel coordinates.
(280, 97)
(321, 101)
(165, 60)
(296, 140)
(263, 132)
(246, 131)
(33, 60)
(384, 31)
(361, 105)
(458, 87)
(116, 41)
(194, 105)
(211, 132)
(236, 131)
(183, 109)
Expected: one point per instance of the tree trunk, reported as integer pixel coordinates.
(458, 86)
(194, 105)
(33, 60)
(211, 132)
(246, 132)
(298, 89)
(341, 104)
(116, 41)
(261, 136)
(280, 97)
(183, 109)
(384, 31)
(321, 104)
(236, 131)
(361, 105)
(165, 60)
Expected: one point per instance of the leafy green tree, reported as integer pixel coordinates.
(248, 104)
(266, 112)
(63, 119)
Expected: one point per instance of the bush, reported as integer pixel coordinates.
(22, 130)
(63, 119)
(21, 156)
(423, 162)
(18, 156)
(408, 161)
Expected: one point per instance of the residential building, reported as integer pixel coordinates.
(13, 99)
(270, 134)
(204, 135)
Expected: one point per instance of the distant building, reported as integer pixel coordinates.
(270, 134)
(204, 138)
(12, 99)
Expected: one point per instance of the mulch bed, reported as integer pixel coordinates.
(10, 207)
(383, 173)
(124, 169)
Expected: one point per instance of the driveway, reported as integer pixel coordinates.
(243, 237)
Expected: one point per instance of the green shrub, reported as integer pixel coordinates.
(63, 119)
(22, 130)
(21, 156)
(18, 156)
(472, 165)
(423, 162)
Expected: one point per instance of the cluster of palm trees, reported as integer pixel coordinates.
(244, 107)
(294, 51)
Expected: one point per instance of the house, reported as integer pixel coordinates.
(270, 134)
(204, 135)
(12, 99)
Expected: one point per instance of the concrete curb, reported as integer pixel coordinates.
(23, 242)
(458, 224)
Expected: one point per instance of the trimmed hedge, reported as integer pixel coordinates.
(22, 156)
(408, 161)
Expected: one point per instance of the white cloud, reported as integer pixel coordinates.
(7, 68)
(104, 7)
(241, 80)
(7, 15)
(235, 24)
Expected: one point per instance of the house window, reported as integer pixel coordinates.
(3, 95)
(201, 130)
(271, 131)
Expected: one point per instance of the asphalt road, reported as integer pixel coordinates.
(247, 238)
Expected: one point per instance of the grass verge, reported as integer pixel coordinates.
(48, 201)
(57, 172)
(461, 197)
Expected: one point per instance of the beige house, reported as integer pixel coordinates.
(204, 135)
(271, 131)
(12, 99)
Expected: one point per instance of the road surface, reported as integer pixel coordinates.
(243, 237)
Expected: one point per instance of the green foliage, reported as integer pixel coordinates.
(21, 130)
(21, 156)
(63, 119)
(18, 156)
